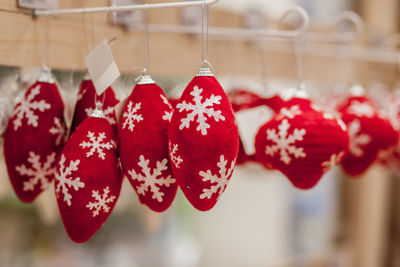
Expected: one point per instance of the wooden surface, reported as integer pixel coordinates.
(22, 44)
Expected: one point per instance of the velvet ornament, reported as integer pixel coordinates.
(143, 145)
(34, 136)
(203, 134)
(88, 99)
(88, 178)
(370, 134)
(302, 142)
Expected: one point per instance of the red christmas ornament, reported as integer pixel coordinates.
(302, 142)
(369, 132)
(204, 141)
(143, 144)
(88, 99)
(34, 136)
(88, 178)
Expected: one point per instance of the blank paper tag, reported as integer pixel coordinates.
(249, 122)
(102, 67)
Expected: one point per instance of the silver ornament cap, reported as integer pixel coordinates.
(205, 70)
(45, 75)
(144, 78)
(98, 111)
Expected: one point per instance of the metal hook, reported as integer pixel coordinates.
(305, 19)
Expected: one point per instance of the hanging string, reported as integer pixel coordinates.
(146, 42)
(46, 44)
(298, 51)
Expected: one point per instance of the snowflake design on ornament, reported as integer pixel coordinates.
(26, 108)
(199, 109)
(58, 129)
(100, 202)
(167, 114)
(66, 181)
(361, 109)
(220, 182)
(333, 160)
(108, 113)
(131, 115)
(284, 142)
(97, 144)
(357, 139)
(176, 159)
(39, 173)
(81, 93)
(290, 113)
(151, 179)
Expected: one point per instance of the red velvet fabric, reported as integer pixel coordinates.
(33, 138)
(143, 146)
(88, 179)
(204, 135)
(370, 134)
(302, 142)
(86, 103)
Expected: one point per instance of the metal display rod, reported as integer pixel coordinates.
(37, 12)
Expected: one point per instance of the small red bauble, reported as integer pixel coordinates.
(34, 136)
(302, 142)
(143, 145)
(369, 134)
(88, 178)
(203, 134)
(88, 99)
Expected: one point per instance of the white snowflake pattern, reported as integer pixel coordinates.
(199, 109)
(81, 93)
(168, 113)
(176, 159)
(330, 116)
(39, 173)
(333, 160)
(357, 139)
(290, 113)
(97, 144)
(109, 112)
(220, 182)
(131, 115)
(58, 129)
(26, 108)
(151, 179)
(65, 180)
(284, 142)
(362, 109)
(100, 202)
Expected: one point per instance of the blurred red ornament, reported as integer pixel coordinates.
(34, 136)
(302, 142)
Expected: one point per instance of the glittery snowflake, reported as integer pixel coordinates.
(58, 129)
(131, 115)
(200, 109)
(361, 109)
(173, 150)
(39, 173)
(151, 180)
(65, 180)
(290, 113)
(333, 160)
(26, 109)
(285, 142)
(101, 201)
(218, 182)
(168, 113)
(97, 144)
(357, 138)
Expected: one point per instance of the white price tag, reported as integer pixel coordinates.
(102, 67)
(249, 122)
(38, 4)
